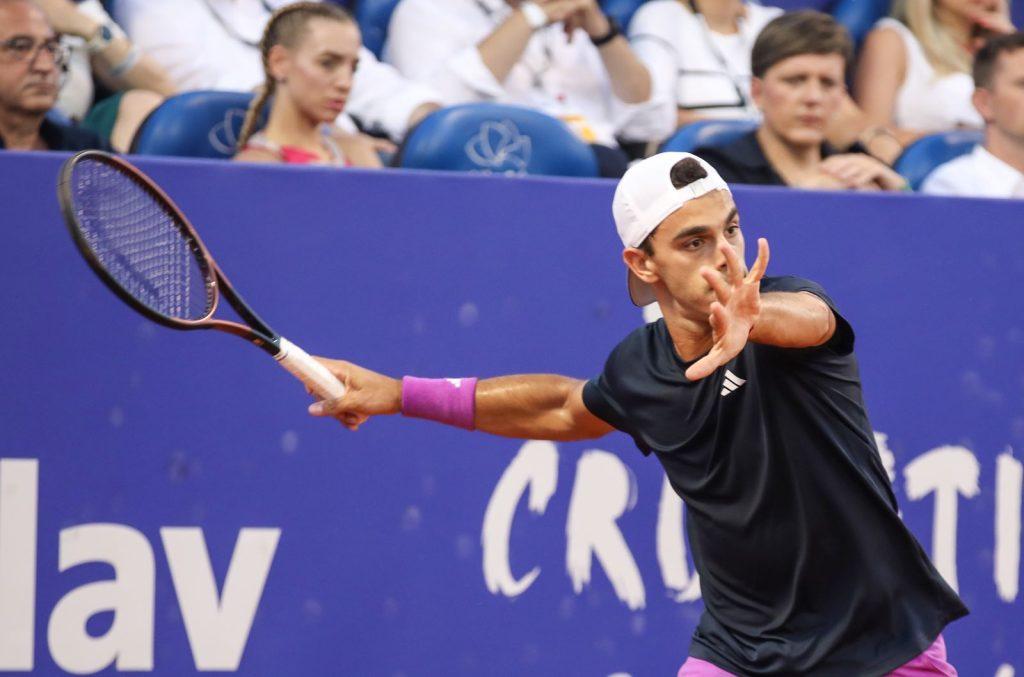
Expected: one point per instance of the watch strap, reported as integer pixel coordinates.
(534, 15)
(614, 30)
(102, 38)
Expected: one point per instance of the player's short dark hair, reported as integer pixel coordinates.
(682, 174)
(796, 34)
(987, 57)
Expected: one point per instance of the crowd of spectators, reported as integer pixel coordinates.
(73, 76)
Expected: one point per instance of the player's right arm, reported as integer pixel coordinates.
(528, 406)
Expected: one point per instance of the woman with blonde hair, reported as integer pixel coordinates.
(915, 67)
(310, 52)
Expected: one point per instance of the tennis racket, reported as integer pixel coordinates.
(147, 252)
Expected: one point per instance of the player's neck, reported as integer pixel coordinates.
(690, 337)
(790, 161)
(20, 131)
(288, 126)
(1005, 147)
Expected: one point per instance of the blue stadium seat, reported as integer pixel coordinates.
(373, 17)
(496, 139)
(621, 10)
(707, 133)
(928, 152)
(860, 15)
(203, 124)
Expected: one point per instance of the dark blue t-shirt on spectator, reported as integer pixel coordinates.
(58, 136)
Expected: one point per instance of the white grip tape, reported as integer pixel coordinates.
(303, 367)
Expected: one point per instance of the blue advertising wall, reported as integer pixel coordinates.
(370, 553)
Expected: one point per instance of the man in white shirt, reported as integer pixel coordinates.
(214, 44)
(996, 168)
(562, 57)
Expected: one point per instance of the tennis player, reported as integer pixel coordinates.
(748, 393)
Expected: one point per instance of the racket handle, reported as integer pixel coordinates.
(303, 367)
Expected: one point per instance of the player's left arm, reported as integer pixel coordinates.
(797, 319)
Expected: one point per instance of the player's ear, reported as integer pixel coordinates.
(640, 263)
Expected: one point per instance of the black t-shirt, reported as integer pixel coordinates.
(58, 136)
(805, 565)
(744, 161)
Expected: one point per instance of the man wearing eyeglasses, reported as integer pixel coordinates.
(32, 61)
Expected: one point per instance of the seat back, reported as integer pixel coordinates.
(858, 16)
(496, 139)
(707, 133)
(203, 124)
(373, 17)
(621, 10)
(920, 158)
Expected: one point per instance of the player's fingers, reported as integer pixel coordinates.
(718, 319)
(702, 368)
(336, 407)
(761, 264)
(734, 268)
(717, 284)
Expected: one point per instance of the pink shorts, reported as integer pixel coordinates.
(932, 663)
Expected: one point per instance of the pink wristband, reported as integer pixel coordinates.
(451, 401)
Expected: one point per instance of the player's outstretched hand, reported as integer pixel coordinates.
(367, 394)
(734, 313)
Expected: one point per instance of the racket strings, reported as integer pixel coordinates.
(140, 242)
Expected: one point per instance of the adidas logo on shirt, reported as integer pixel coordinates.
(731, 383)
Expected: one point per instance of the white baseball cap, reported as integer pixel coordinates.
(645, 197)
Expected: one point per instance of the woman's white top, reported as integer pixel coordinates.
(705, 72)
(435, 42)
(927, 101)
(77, 93)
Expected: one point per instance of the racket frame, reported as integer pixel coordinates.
(256, 331)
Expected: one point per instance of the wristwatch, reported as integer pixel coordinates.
(101, 39)
(614, 30)
(534, 15)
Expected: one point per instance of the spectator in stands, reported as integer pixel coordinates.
(698, 54)
(996, 168)
(798, 64)
(914, 71)
(32, 60)
(565, 58)
(100, 48)
(214, 44)
(309, 53)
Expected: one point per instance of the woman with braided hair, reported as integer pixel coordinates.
(310, 52)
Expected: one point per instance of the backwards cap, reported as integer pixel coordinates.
(645, 197)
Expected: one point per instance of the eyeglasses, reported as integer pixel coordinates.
(21, 49)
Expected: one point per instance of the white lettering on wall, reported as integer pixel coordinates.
(218, 628)
(129, 641)
(671, 547)
(949, 472)
(1005, 670)
(1009, 481)
(535, 467)
(19, 486)
(888, 458)
(604, 489)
